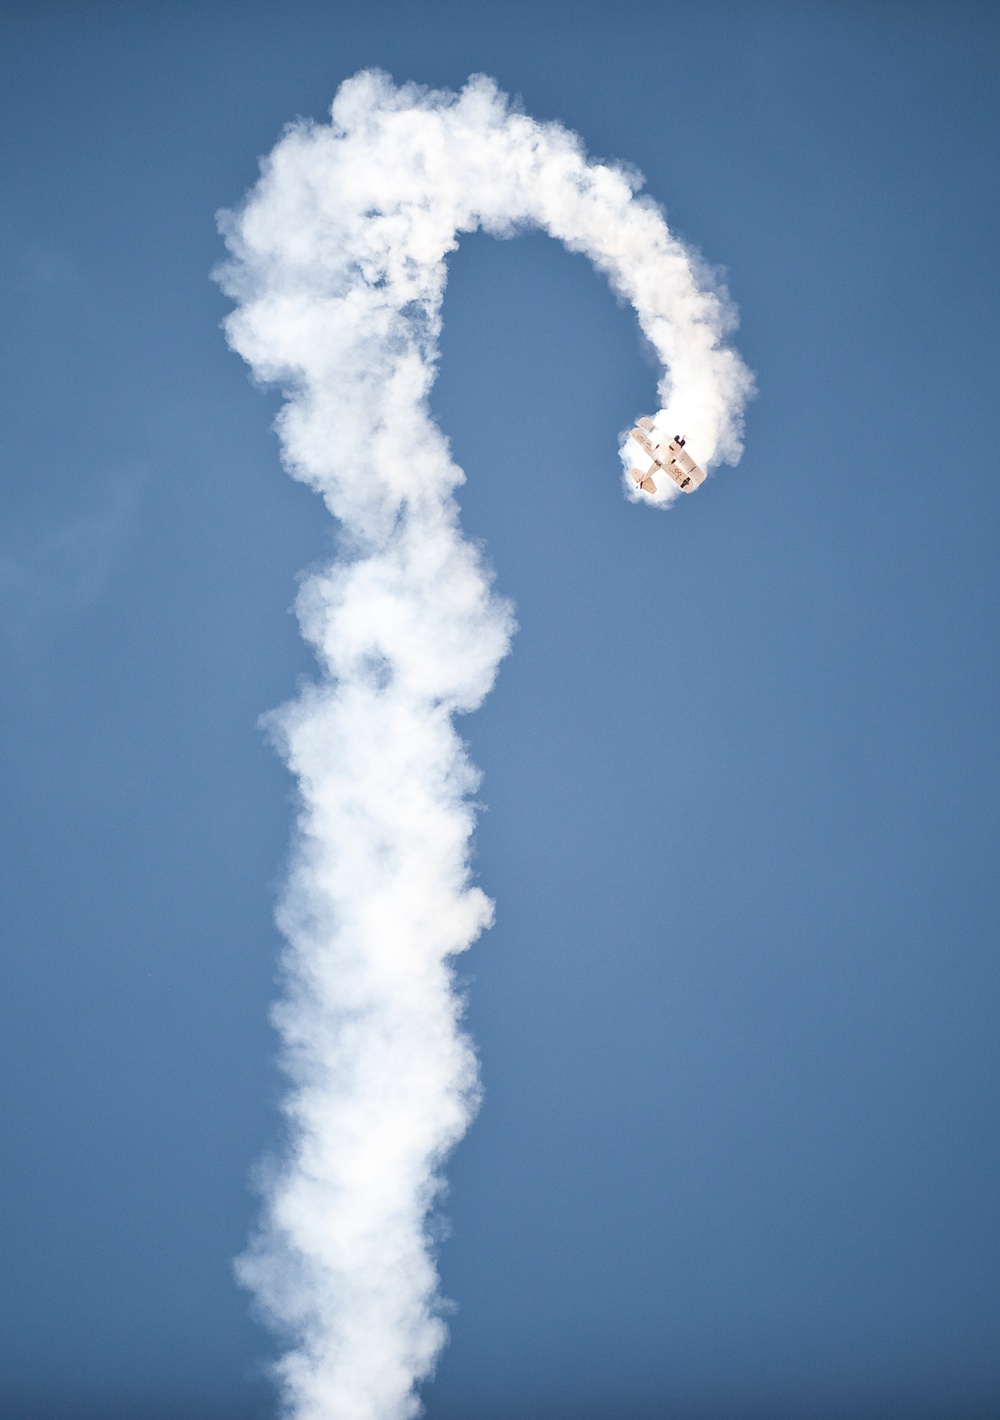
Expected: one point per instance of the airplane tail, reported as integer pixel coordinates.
(644, 481)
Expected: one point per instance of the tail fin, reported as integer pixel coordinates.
(644, 481)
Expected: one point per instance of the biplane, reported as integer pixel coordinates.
(669, 456)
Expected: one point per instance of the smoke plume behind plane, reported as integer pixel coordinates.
(337, 269)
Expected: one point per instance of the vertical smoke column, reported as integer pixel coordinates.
(337, 270)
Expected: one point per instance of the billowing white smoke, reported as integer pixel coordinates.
(338, 271)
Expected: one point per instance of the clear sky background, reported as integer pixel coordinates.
(738, 1156)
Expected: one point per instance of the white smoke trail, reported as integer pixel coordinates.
(338, 271)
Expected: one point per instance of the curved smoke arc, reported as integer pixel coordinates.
(337, 269)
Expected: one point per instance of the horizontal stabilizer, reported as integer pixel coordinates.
(644, 481)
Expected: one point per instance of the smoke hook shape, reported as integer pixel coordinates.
(337, 268)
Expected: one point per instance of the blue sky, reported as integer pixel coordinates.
(738, 1014)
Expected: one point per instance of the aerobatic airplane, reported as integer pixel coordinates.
(669, 456)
